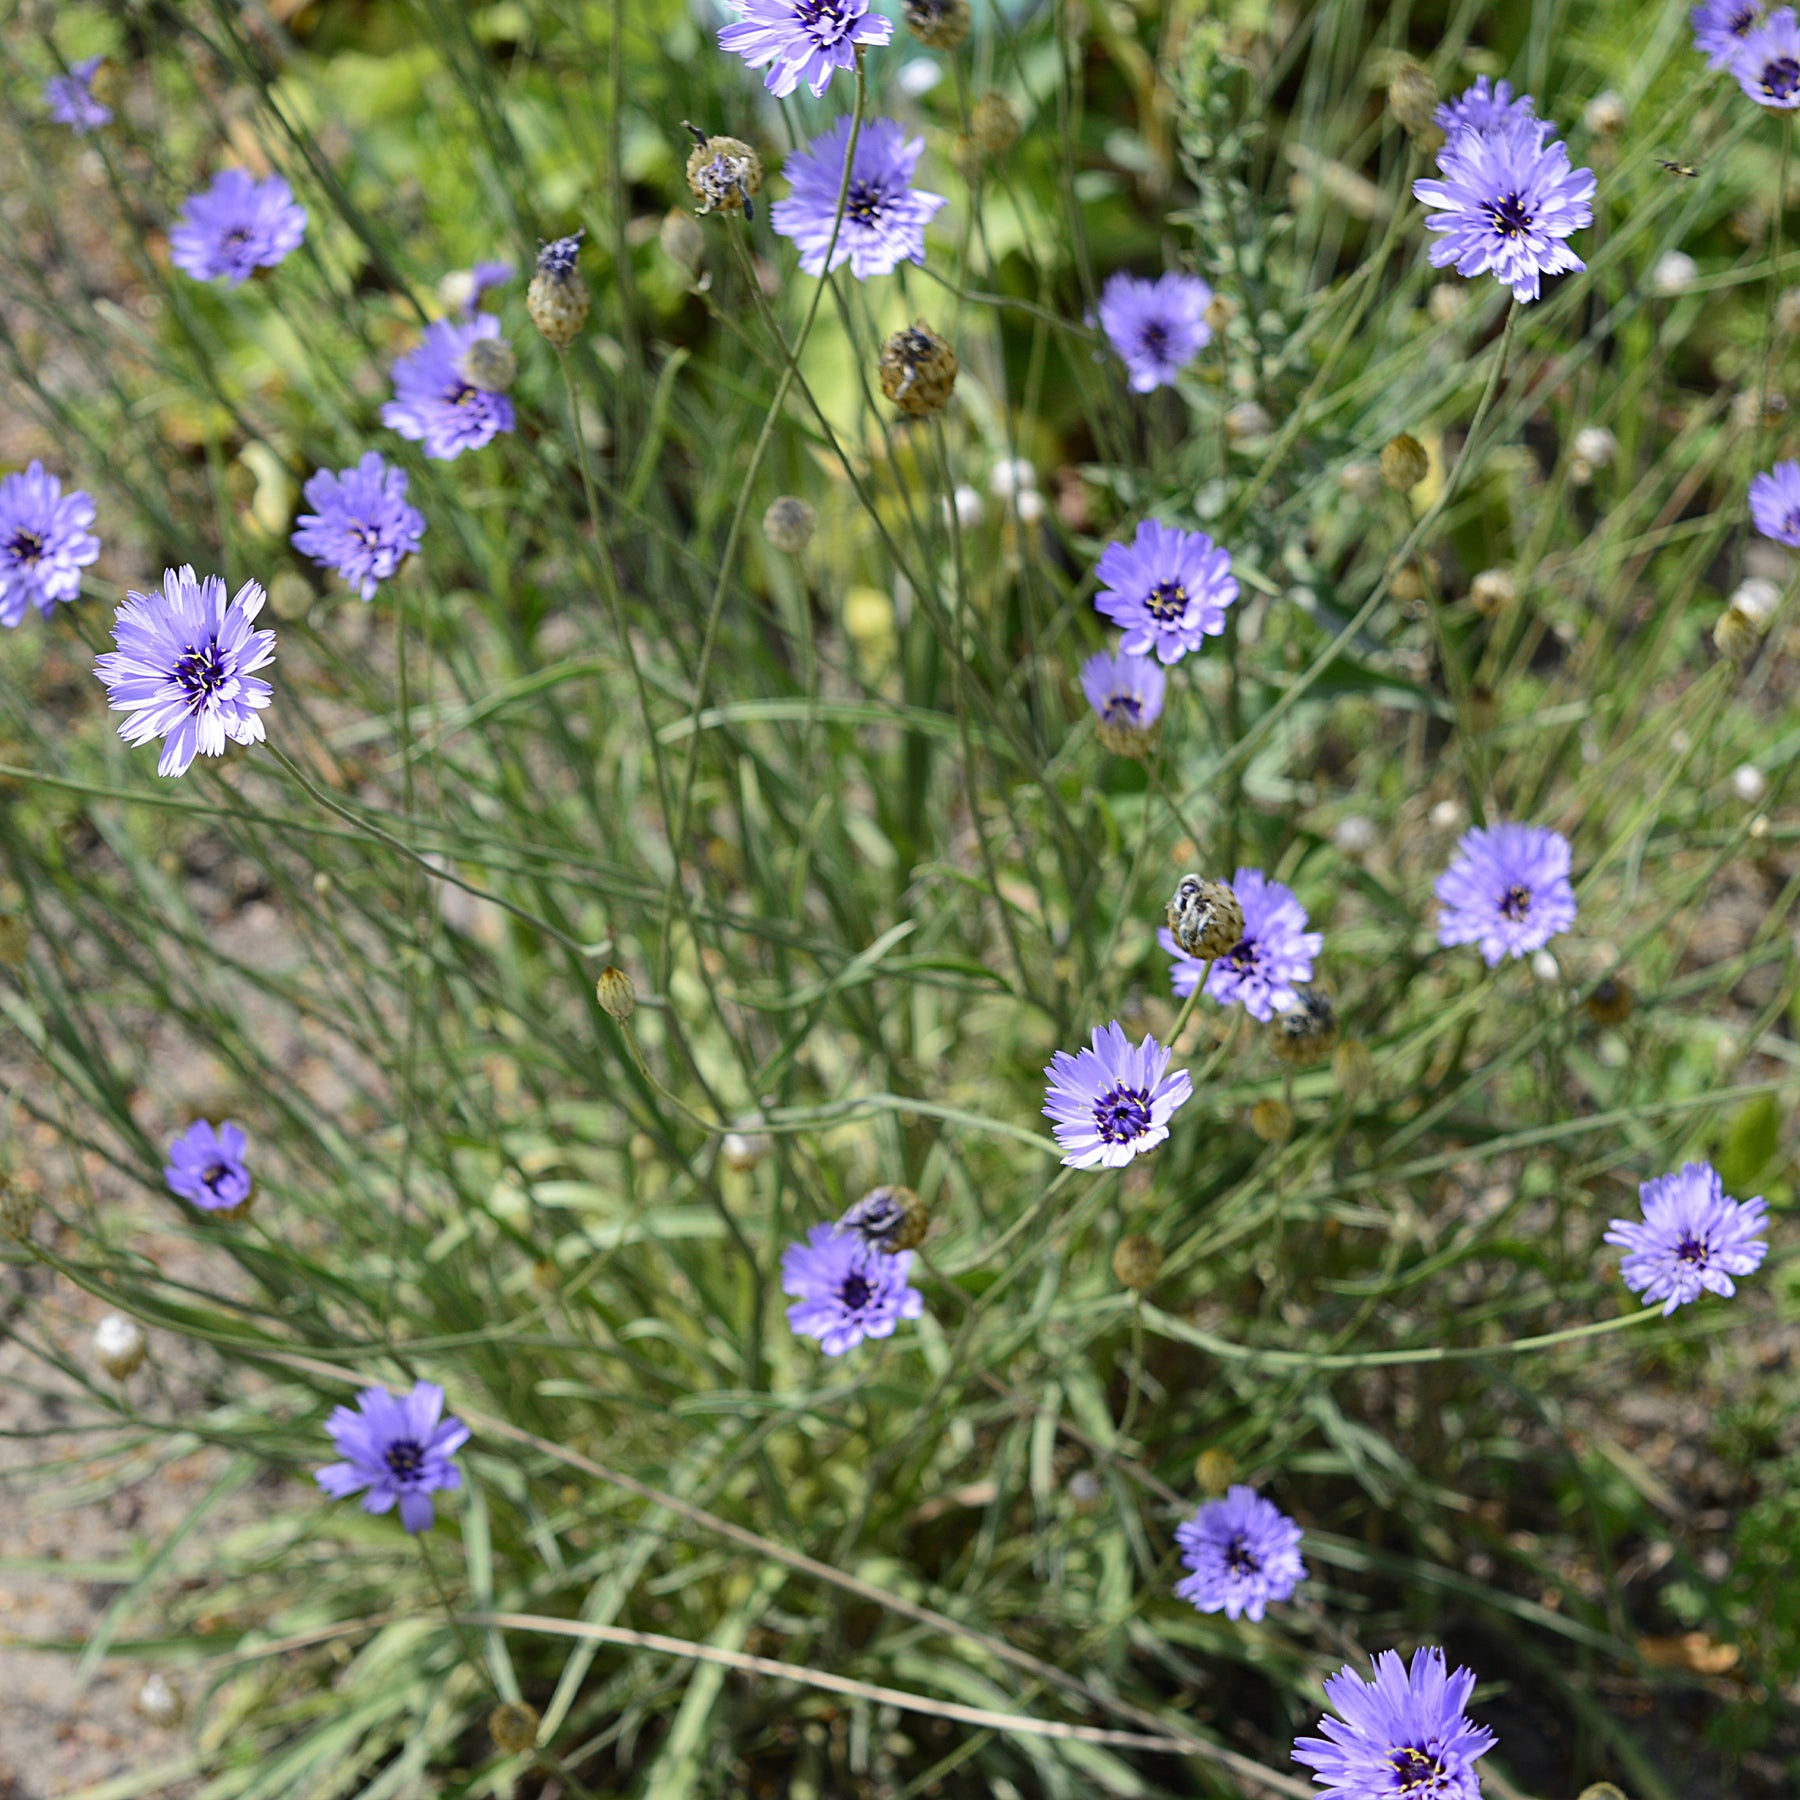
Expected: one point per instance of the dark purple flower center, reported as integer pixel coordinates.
(1740, 21)
(1122, 1115)
(856, 1292)
(1415, 1768)
(822, 20)
(200, 673)
(1509, 217)
(1240, 1559)
(1693, 1250)
(1167, 602)
(1241, 958)
(405, 1459)
(1780, 78)
(1515, 903)
(25, 546)
(864, 201)
(213, 1175)
(1123, 709)
(1153, 334)
(236, 238)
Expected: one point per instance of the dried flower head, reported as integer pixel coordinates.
(789, 525)
(803, 40)
(237, 226)
(1610, 1001)
(884, 215)
(1243, 1551)
(557, 298)
(1137, 1261)
(724, 174)
(1404, 463)
(1307, 1032)
(120, 1346)
(1167, 590)
(616, 994)
(994, 123)
(1156, 327)
(890, 1219)
(360, 524)
(917, 369)
(513, 1726)
(157, 1703)
(1492, 592)
(398, 1450)
(1272, 1121)
(1215, 1469)
(1735, 636)
(1113, 1100)
(1126, 693)
(1413, 99)
(1693, 1238)
(1507, 889)
(844, 1291)
(1205, 919)
(1767, 63)
(44, 543)
(18, 1208)
(937, 24)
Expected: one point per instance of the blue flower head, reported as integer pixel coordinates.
(802, 40)
(1767, 63)
(1166, 589)
(1114, 1100)
(207, 1166)
(1507, 889)
(845, 1289)
(1488, 108)
(361, 524)
(1720, 27)
(434, 403)
(44, 543)
(237, 226)
(884, 214)
(1244, 1551)
(395, 1451)
(1126, 693)
(1775, 503)
(71, 99)
(1693, 1238)
(1156, 327)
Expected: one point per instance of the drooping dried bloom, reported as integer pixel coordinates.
(845, 1291)
(917, 370)
(71, 98)
(360, 524)
(1244, 1551)
(399, 1450)
(1126, 693)
(1157, 327)
(1720, 28)
(994, 123)
(557, 299)
(184, 667)
(237, 226)
(1507, 889)
(209, 1166)
(1405, 462)
(434, 404)
(1767, 63)
(1775, 503)
(802, 40)
(1137, 1261)
(1488, 108)
(44, 543)
(884, 217)
(1167, 590)
(1114, 1100)
(1204, 921)
(789, 525)
(1505, 206)
(514, 1727)
(1271, 959)
(1693, 1238)
(1308, 1031)
(120, 1346)
(889, 1219)
(1402, 1736)
(937, 24)
(723, 173)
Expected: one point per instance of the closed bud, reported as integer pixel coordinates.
(1084, 1490)
(1404, 463)
(682, 241)
(1137, 1262)
(1756, 597)
(1205, 918)
(1595, 446)
(1413, 100)
(937, 24)
(1492, 592)
(1307, 1032)
(1272, 1121)
(789, 525)
(558, 298)
(158, 1704)
(1215, 1470)
(617, 996)
(489, 364)
(1605, 115)
(1221, 309)
(514, 1727)
(1353, 1068)
(119, 1346)
(723, 174)
(1610, 1001)
(1736, 636)
(918, 369)
(888, 1219)
(994, 124)
(745, 1148)
(1247, 421)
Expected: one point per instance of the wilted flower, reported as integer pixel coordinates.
(361, 524)
(1486, 108)
(1775, 503)
(434, 403)
(1507, 890)
(937, 24)
(884, 217)
(44, 543)
(557, 298)
(1126, 693)
(1166, 589)
(845, 1291)
(1721, 26)
(237, 226)
(789, 525)
(889, 1218)
(1157, 327)
(1244, 1551)
(183, 668)
(1506, 203)
(71, 99)
(1272, 957)
(1402, 1736)
(1113, 1101)
(120, 1346)
(917, 369)
(1767, 63)
(1694, 1237)
(208, 1166)
(802, 40)
(723, 173)
(398, 1449)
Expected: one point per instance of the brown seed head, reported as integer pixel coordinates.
(1307, 1032)
(1413, 100)
(514, 1727)
(616, 994)
(1272, 1121)
(1404, 463)
(789, 525)
(937, 24)
(723, 173)
(1137, 1262)
(994, 124)
(489, 364)
(1214, 1470)
(1205, 918)
(918, 370)
(1610, 1002)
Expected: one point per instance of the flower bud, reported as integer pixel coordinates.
(1492, 592)
(119, 1346)
(1272, 1121)
(1674, 272)
(558, 298)
(1735, 636)
(1215, 1469)
(1404, 463)
(682, 241)
(789, 525)
(1307, 1032)
(1605, 115)
(723, 173)
(514, 1727)
(1595, 446)
(994, 124)
(937, 24)
(1610, 1001)
(1756, 597)
(489, 364)
(614, 991)
(158, 1704)
(1413, 100)
(1084, 1490)
(1137, 1262)
(918, 369)
(1749, 783)
(1353, 1068)
(1205, 918)
(745, 1148)
(888, 1219)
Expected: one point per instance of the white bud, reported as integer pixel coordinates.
(1605, 115)
(969, 508)
(158, 1704)
(119, 1345)
(1544, 967)
(1757, 598)
(743, 1150)
(1749, 783)
(1447, 815)
(1674, 272)
(1355, 835)
(1030, 506)
(1596, 445)
(1012, 475)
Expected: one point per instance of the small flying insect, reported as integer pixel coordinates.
(1678, 168)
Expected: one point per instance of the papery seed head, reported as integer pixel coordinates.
(616, 994)
(994, 124)
(1413, 100)
(789, 525)
(157, 1703)
(1204, 917)
(1404, 463)
(514, 1727)
(119, 1346)
(917, 369)
(723, 174)
(490, 364)
(1137, 1261)
(1306, 1033)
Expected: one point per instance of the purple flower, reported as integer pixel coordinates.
(1767, 63)
(884, 215)
(802, 40)
(1244, 1552)
(1507, 889)
(846, 1290)
(1694, 1236)
(1485, 108)
(71, 99)
(236, 227)
(1125, 691)
(183, 666)
(1114, 1101)
(1265, 968)
(1402, 1736)
(206, 1166)
(1775, 503)
(1507, 202)
(1157, 327)
(1720, 27)
(1167, 589)
(434, 403)
(360, 524)
(44, 543)
(397, 1449)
